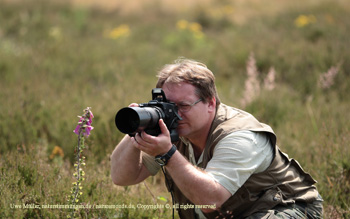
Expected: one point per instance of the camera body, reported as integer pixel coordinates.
(145, 117)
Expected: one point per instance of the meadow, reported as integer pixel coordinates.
(286, 62)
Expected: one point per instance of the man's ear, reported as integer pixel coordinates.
(212, 104)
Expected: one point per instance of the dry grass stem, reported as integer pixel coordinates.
(326, 80)
(252, 85)
(269, 81)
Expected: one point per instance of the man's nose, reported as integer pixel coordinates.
(180, 114)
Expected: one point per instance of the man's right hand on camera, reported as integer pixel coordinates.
(133, 105)
(153, 145)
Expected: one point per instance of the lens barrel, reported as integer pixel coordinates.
(131, 120)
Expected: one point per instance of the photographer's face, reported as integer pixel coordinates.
(197, 120)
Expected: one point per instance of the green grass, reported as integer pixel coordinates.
(56, 59)
(29, 179)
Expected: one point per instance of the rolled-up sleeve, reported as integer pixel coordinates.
(239, 155)
(150, 163)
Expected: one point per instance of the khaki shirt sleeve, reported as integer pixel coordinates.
(238, 156)
(152, 166)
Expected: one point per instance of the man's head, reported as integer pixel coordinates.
(191, 72)
(191, 86)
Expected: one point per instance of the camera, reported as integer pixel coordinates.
(132, 120)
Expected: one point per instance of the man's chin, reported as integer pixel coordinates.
(182, 132)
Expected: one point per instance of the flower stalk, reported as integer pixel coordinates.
(83, 130)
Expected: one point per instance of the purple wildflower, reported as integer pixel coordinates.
(84, 125)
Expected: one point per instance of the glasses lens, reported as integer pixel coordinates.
(184, 108)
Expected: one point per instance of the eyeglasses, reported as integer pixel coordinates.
(186, 107)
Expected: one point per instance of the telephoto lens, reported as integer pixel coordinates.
(131, 120)
(145, 117)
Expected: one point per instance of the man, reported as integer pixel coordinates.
(225, 158)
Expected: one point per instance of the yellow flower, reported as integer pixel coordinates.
(301, 21)
(120, 31)
(182, 24)
(304, 20)
(195, 27)
(57, 151)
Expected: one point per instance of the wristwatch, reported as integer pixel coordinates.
(162, 160)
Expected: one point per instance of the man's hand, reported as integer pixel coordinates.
(134, 105)
(153, 145)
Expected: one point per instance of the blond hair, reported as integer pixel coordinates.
(192, 72)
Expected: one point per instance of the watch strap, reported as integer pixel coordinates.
(162, 160)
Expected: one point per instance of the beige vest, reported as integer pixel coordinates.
(282, 182)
